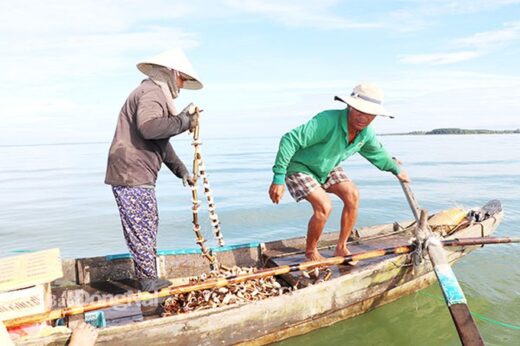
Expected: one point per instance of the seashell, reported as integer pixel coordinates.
(327, 276)
(223, 290)
(306, 275)
(223, 267)
(277, 284)
(206, 295)
(227, 299)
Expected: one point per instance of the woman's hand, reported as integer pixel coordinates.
(188, 180)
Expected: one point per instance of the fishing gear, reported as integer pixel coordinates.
(199, 170)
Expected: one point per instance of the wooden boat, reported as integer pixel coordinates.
(351, 291)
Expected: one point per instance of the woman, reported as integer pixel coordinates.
(141, 144)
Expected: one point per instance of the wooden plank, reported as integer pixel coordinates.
(30, 269)
(104, 268)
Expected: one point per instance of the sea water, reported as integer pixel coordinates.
(53, 196)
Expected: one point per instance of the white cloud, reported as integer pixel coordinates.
(85, 16)
(416, 15)
(491, 39)
(439, 58)
(480, 44)
(60, 41)
(447, 7)
(302, 13)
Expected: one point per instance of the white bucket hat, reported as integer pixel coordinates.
(366, 98)
(174, 59)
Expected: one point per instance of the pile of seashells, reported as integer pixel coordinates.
(248, 291)
(243, 292)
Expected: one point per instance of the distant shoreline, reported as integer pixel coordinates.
(453, 131)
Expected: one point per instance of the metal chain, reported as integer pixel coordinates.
(199, 170)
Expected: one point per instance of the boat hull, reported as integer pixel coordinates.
(295, 313)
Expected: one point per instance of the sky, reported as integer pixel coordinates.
(267, 65)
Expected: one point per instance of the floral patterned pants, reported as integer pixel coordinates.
(140, 220)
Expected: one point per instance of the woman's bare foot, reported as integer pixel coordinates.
(314, 255)
(83, 335)
(343, 252)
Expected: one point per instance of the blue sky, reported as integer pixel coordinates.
(267, 65)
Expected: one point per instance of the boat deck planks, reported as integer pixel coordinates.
(292, 256)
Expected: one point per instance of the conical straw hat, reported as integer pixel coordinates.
(174, 59)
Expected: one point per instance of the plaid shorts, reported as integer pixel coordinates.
(301, 184)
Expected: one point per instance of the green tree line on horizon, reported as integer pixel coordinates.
(457, 131)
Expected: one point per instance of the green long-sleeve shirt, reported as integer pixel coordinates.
(320, 145)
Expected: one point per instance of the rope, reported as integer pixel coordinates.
(474, 314)
(200, 171)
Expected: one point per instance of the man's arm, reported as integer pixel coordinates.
(376, 154)
(308, 134)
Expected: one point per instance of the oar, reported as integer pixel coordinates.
(480, 241)
(221, 282)
(453, 295)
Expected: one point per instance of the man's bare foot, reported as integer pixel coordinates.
(343, 252)
(83, 335)
(314, 256)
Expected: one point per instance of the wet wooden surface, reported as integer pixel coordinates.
(292, 257)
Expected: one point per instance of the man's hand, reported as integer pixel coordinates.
(276, 192)
(403, 176)
(188, 180)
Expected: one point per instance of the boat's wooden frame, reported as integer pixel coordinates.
(362, 289)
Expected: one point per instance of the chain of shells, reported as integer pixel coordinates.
(199, 167)
(215, 222)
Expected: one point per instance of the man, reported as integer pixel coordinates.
(141, 144)
(309, 156)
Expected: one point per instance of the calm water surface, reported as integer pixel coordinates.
(54, 196)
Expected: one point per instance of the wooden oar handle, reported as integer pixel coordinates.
(414, 205)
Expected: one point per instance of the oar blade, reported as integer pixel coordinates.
(466, 327)
(454, 297)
